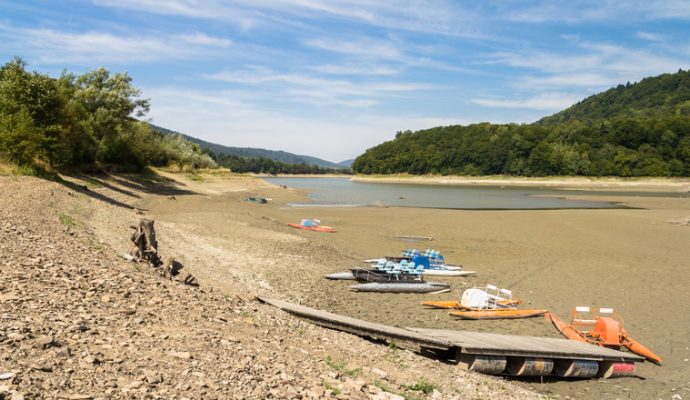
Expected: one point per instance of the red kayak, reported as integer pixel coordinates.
(318, 228)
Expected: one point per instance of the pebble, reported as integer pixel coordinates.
(6, 375)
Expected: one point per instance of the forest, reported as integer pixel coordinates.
(261, 165)
(640, 129)
(85, 122)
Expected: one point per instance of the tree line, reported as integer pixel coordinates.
(641, 129)
(262, 165)
(83, 121)
(617, 147)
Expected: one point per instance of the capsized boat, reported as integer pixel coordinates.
(601, 327)
(401, 287)
(435, 259)
(489, 297)
(313, 225)
(507, 313)
(489, 302)
(260, 200)
(383, 272)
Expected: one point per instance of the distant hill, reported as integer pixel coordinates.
(640, 129)
(663, 95)
(346, 163)
(281, 156)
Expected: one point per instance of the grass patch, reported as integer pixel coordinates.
(196, 177)
(342, 368)
(422, 386)
(67, 220)
(381, 385)
(332, 388)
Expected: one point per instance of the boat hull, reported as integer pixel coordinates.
(341, 276)
(450, 267)
(447, 273)
(320, 228)
(497, 314)
(400, 287)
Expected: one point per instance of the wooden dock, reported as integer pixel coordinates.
(485, 352)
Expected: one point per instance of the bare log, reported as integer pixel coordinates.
(145, 243)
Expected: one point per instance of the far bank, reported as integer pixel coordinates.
(559, 182)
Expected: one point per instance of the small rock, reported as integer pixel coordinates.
(17, 396)
(676, 397)
(385, 396)
(185, 355)
(381, 373)
(65, 352)
(6, 375)
(135, 385)
(44, 341)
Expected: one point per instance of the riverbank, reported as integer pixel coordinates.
(634, 260)
(78, 321)
(579, 183)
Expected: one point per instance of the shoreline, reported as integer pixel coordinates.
(680, 185)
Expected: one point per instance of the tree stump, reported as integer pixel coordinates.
(145, 243)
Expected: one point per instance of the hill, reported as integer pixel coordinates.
(640, 129)
(249, 152)
(346, 163)
(663, 95)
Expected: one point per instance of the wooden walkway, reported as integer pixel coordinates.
(478, 347)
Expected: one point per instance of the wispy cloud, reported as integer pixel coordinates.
(205, 40)
(355, 69)
(584, 11)
(316, 90)
(228, 118)
(586, 64)
(545, 101)
(449, 17)
(61, 47)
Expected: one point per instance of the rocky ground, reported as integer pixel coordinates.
(77, 321)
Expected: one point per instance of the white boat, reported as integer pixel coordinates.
(446, 272)
(451, 267)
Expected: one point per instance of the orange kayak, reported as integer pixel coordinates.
(565, 329)
(319, 228)
(639, 349)
(456, 304)
(511, 313)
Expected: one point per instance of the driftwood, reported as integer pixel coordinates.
(145, 243)
(146, 250)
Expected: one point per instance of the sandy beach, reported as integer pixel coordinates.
(560, 182)
(634, 260)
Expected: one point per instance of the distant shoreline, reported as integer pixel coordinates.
(681, 185)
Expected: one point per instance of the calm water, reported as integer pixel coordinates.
(343, 192)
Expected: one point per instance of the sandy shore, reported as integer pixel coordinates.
(580, 183)
(634, 260)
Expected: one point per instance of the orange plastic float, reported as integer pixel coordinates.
(603, 328)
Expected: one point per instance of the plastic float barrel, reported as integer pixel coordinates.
(576, 368)
(523, 366)
(615, 369)
(492, 365)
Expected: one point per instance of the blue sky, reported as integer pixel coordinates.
(333, 78)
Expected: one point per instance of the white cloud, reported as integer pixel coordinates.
(228, 118)
(584, 11)
(205, 40)
(291, 88)
(350, 69)
(544, 101)
(61, 47)
(649, 36)
(444, 17)
(366, 47)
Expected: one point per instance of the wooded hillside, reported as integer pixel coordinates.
(640, 129)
